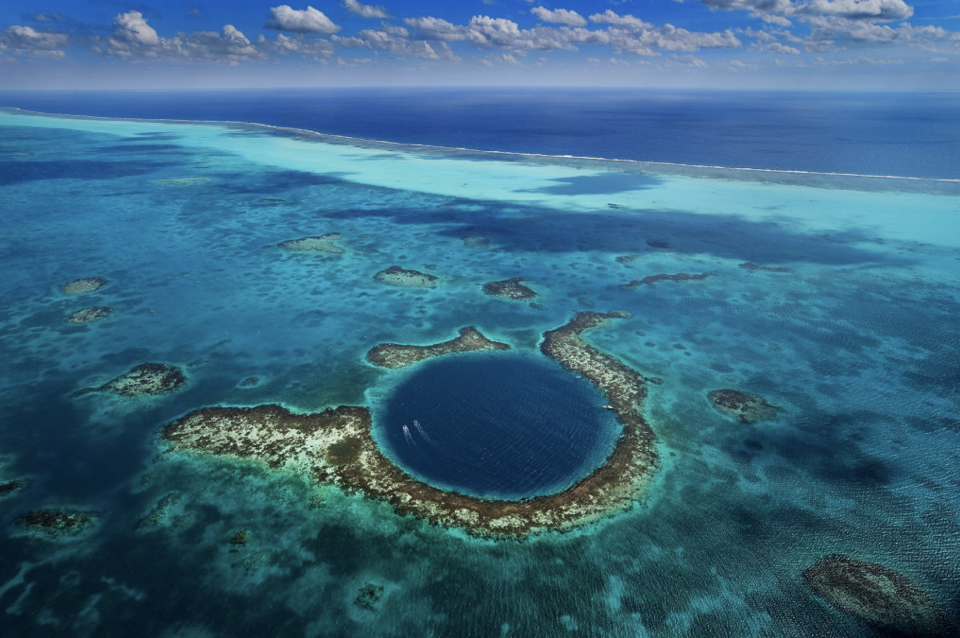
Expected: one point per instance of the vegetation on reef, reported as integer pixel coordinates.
(83, 285)
(509, 289)
(394, 355)
(336, 447)
(746, 407)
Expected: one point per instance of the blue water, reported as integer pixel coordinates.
(915, 135)
(848, 320)
(497, 425)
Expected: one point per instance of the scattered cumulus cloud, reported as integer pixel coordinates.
(23, 40)
(559, 16)
(309, 20)
(365, 10)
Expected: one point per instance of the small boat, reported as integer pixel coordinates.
(606, 407)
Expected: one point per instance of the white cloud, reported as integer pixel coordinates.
(559, 16)
(133, 38)
(627, 35)
(627, 21)
(778, 11)
(309, 20)
(365, 10)
(777, 48)
(395, 40)
(28, 41)
(857, 9)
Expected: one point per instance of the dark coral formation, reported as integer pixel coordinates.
(652, 279)
(509, 289)
(159, 512)
(88, 315)
(754, 268)
(879, 596)
(397, 276)
(57, 522)
(146, 379)
(395, 355)
(314, 244)
(368, 596)
(748, 408)
(83, 285)
(240, 538)
(627, 259)
(336, 447)
(10, 487)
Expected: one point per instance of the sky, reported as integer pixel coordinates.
(749, 44)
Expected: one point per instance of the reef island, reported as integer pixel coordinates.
(336, 446)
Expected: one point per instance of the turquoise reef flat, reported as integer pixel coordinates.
(777, 385)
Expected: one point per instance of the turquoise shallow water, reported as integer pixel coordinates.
(855, 339)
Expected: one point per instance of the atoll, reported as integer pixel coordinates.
(746, 407)
(336, 446)
(652, 279)
(88, 315)
(509, 289)
(83, 285)
(146, 379)
(395, 355)
(56, 522)
(397, 276)
(879, 596)
(315, 244)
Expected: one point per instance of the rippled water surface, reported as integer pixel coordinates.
(835, 298)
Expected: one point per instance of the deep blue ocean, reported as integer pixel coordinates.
(908, 134)
(835, 297)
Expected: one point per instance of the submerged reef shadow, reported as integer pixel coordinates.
(530, 229)
(599, 184)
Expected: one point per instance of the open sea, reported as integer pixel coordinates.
(821, 233)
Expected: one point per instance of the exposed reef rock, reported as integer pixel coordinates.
(88, 315)
(368, 596)
(754, 267)
(56, 522)
(395, 355)
(509, 289)
(748, 408)
(336, 447)
(315, 244)
(397, 276)
(83, 286)
(879, 596)
(652, 279)
(146, 379)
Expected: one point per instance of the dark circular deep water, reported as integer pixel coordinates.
(496, 425)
